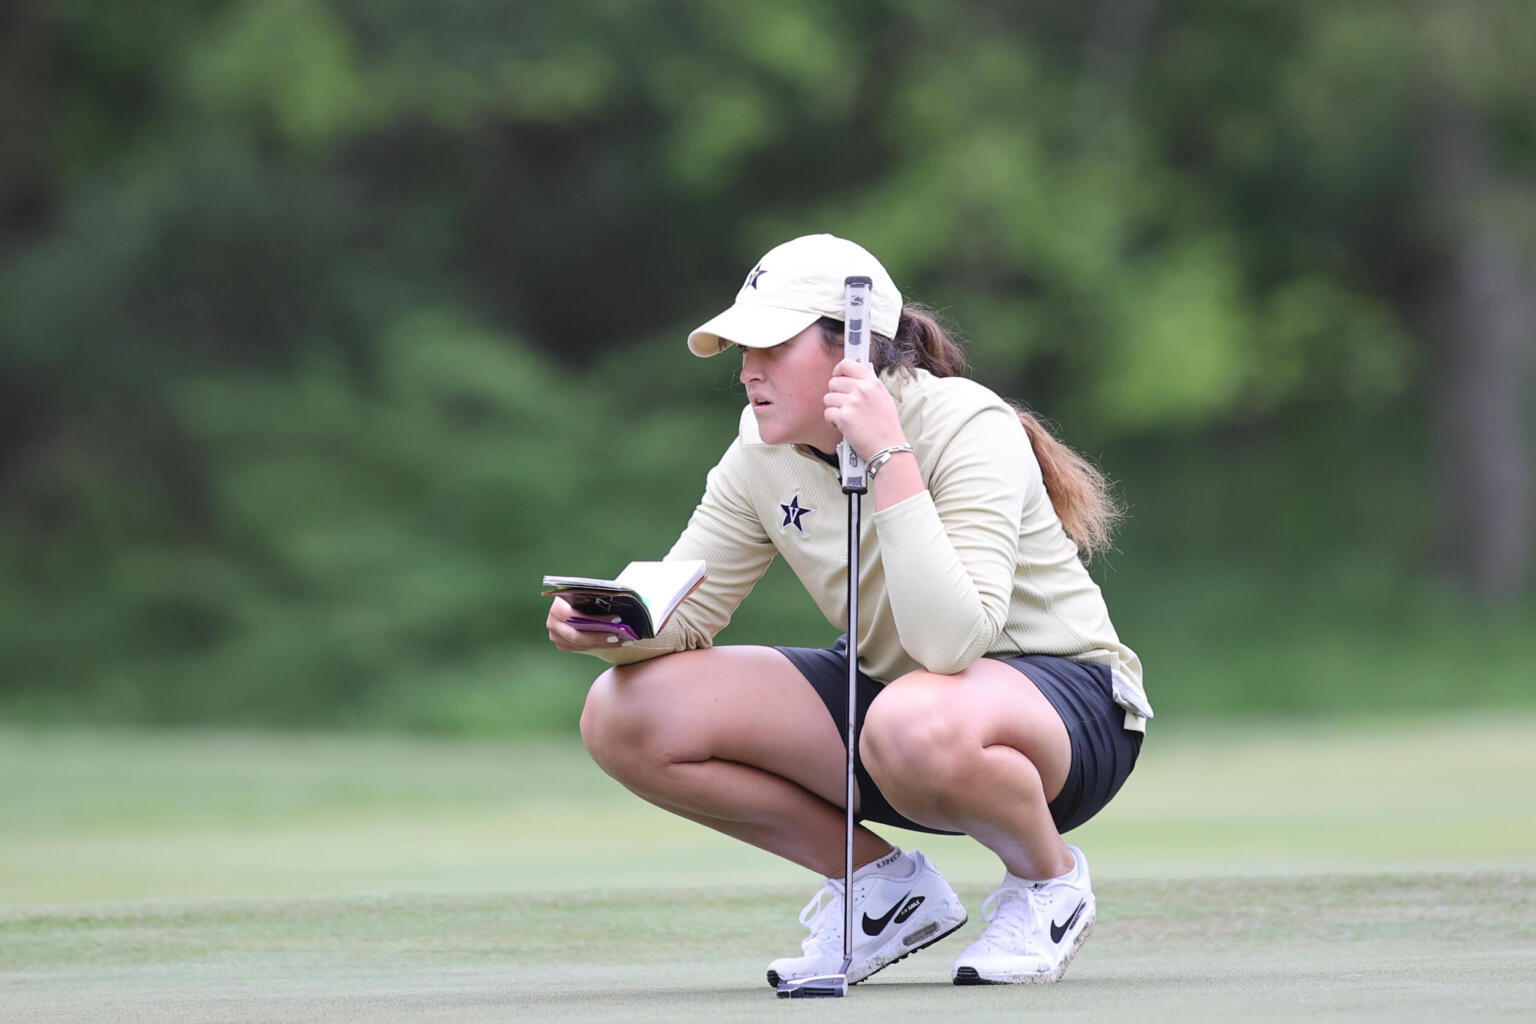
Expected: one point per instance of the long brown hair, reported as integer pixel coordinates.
(1079, 492)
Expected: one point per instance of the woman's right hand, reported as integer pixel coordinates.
(568, 638)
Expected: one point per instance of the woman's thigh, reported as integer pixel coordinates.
(749, 705)
(928, 721)
(1058, 713)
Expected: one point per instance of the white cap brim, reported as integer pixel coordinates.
(751, 326)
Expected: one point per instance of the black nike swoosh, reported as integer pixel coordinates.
(1058, 931)
(876, 925)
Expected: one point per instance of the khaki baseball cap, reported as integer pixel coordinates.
(793, 286)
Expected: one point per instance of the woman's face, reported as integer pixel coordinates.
(786, 385)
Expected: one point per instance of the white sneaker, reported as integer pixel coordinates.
(900, 904)
(1036, 928)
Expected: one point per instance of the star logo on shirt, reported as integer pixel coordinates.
(757, 272)
(794, 513)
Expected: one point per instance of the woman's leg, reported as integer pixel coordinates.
(981, 752)
(734, 738)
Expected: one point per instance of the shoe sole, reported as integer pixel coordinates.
(970, 976)
(773, 976)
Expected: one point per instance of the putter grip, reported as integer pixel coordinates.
(856, 298)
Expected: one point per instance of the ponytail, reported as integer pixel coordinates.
(920, 342)
(1080, 494)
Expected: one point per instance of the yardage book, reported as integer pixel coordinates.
(643, 596)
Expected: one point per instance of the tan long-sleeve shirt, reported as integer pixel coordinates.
(977, 564)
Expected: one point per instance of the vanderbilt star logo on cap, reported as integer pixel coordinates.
(794, 513)
(793, 285)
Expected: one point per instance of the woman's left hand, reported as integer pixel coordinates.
(859, 406)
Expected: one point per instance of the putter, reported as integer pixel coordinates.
(856, 347)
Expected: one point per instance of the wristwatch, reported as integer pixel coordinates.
(874, 462)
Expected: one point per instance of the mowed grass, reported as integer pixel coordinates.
(1382, 870)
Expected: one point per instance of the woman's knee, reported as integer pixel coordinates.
(619, 725)
(914, 742)
(600, 714)
(641, 718)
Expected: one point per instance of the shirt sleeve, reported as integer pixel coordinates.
(727, 534)
(951, 552)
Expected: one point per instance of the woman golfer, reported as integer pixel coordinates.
(995, 698)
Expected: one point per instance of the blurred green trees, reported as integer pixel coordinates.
(327, 326)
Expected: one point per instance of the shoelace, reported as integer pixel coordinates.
(1008, 913)
(824, 917)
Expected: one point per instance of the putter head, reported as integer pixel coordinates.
(822, 986)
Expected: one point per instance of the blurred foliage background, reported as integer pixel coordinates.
(328, 326)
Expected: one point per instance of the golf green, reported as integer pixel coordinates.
(1378, 871)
